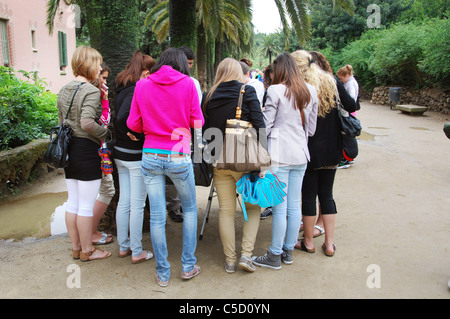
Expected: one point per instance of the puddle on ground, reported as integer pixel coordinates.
(419, 128)
(366, 136)
(35, 216)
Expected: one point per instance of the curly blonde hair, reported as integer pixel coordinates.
(324, 82)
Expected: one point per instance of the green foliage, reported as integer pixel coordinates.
(436, 51)
(412, 54)
(335, 28)
(397, 55)
(27, 110)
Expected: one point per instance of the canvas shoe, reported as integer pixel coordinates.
(246, 264)
(192, 273)
(286, 257)
(268, 260)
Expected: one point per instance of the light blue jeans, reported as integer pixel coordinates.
(180, 171)
(130, 208)
(286, 217)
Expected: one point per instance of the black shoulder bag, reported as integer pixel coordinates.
(57, 153)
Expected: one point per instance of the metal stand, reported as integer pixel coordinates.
(208, 207)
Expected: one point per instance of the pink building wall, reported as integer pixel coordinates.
(23, 16)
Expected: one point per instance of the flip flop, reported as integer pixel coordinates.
(321, 231)
(148, 257)
(301, 245)
(328, 253)
(127, 253)
(104, 240)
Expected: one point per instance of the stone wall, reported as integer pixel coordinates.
(18, 164)
(436, 100)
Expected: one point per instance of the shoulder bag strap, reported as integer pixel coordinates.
(239, 107)
(73, 97)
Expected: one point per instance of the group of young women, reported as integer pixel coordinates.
(156, 106)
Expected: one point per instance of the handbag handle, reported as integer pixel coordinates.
(239, 107)
(73, 97)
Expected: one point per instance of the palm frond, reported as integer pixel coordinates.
(52, 7)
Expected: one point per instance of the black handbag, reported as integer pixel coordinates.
(57, 153)
(203, 171)
(349, 124)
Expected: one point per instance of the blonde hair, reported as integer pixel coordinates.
(324, 82)
(85, 62)
(345, 70)
(228, 70)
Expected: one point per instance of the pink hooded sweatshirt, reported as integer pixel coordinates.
(165, 106)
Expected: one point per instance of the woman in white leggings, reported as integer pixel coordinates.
(79, 106)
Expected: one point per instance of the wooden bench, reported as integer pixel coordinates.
(412, 109)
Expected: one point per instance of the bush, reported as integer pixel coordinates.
(436, 51)
(397, 55)
(27, 110)
(410, 54)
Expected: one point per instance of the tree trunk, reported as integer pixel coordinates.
(202, 58)
(217, 55)
(183, 23)
(113, 30)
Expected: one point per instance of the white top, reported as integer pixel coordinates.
(286, 139)
(199, 90)
(259, 88)
(352, 87)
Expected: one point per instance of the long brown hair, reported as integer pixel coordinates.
(285, 71)
(132, 73)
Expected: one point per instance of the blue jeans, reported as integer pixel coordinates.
(130, 208)
(286, 217)
(180, 171)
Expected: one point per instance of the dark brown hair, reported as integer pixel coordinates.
(321, 61)
(285, 71)
(132, 73)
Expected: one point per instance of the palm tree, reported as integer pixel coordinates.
(113, 28)
(298, 13)
(269, 46)
(220, 24)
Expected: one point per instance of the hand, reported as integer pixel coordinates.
(103, 94)
(132, 137)
(262, 174)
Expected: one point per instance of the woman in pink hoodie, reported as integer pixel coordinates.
(165, 107)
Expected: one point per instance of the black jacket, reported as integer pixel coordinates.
(223, 103)
(325, 146)
(122, 104)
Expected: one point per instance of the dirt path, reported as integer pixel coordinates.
(392, 235)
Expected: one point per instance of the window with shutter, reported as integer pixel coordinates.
(5, 42)
(62, 43)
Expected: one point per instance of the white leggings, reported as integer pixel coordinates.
(82, 196)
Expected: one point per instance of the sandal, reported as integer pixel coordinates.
(321, 231)
(301, 245)
(140, 260)
(87, 256)
(327, 253)
(104, 240)
(76, 253)
(125, 253)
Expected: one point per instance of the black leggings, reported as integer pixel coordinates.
(318, 183)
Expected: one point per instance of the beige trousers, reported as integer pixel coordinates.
(225, 184)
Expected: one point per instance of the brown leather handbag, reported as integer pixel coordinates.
(241, 150)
